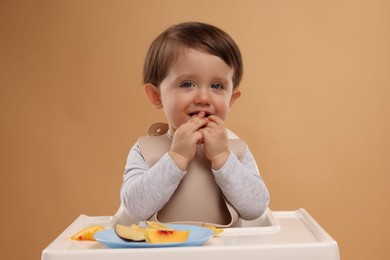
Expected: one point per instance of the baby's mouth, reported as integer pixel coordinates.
(195, 113)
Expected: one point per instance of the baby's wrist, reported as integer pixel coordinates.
(180, 160)
(219, 160)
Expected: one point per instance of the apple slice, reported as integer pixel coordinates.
(133, 233)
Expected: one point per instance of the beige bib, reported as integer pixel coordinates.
(198, 199)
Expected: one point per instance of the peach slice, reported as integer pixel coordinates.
(87, 233)
(157, 225)
(130, 233)
(217, 231)
(165, 236)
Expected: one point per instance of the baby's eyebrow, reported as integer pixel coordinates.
(221, 80)
(183, 77)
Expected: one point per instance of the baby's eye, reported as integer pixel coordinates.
(216, 86)
(187, 84)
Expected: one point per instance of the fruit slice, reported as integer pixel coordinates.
(154, 236)
(217, 231)
(87, 233)
(157, 225)
(130, 233)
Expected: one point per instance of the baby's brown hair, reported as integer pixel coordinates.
(166, 48)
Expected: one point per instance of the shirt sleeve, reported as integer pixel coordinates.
(146, 190)
(242, 185)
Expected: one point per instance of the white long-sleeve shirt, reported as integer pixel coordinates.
(145, 190)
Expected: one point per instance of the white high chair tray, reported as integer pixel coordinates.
(290, 235)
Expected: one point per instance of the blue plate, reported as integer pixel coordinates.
(198, 236)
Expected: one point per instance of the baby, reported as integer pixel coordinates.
(188, 171)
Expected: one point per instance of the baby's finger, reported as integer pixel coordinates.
(201, 114)
(216, 119)
(199, 137)
(212, 124)
(195, 123)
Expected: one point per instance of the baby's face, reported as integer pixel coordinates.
(196, 82)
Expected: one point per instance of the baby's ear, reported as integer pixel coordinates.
(152, 92)
(235, 95)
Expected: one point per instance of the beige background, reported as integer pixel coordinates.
(314, 110)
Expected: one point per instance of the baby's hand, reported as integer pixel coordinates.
(183, 148)
(216, 146)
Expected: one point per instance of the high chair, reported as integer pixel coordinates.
(292, 235)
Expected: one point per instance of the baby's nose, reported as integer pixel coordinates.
(202, 97)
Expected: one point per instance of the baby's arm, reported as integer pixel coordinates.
(242, 186)
(146, 190)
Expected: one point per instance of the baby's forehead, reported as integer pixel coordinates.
(184, 52)
(200, 66)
